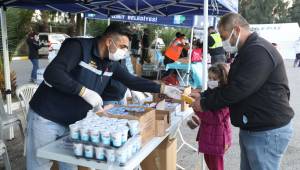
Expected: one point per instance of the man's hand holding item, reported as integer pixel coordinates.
(171, 91)
(197, 105)
(92, 98)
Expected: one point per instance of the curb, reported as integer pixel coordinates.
(19, 58)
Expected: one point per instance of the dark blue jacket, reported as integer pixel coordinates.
(115, 90)
(78, 64)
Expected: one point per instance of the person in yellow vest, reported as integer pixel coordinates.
(215, 49)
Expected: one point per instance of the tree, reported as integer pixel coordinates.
(264, 11)
(294, 12)
(96, 27)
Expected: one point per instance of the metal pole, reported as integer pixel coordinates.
(6, 65)
(108, 21)
(205, 46)
(190, 56)
(84, 27)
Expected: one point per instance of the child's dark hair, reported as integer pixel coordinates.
(219, 69)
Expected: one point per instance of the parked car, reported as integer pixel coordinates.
(50, 44)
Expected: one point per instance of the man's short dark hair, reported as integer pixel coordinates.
(230, 20)
(118, 28)
(178, 34)
(211, 28)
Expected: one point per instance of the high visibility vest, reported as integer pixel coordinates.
(173, 51)
(217, 39)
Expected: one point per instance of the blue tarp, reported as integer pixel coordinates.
(128, 7)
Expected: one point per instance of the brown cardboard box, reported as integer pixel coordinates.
(146, 120)
(163, 157)
(162, 122)
(55, 167)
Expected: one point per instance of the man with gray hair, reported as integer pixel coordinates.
(257, 95)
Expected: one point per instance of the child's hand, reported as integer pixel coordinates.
(195, 95)
(226, 147)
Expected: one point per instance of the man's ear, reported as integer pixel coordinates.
(108, 42)
(237, 30)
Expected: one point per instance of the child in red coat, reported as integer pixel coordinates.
(214, 135)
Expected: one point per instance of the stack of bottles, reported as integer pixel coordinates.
(105, 139)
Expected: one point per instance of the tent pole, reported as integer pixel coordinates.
(6, 64)
(205, 52)
(205, 46)
(190, 56)
(84, 27)
(108, 21)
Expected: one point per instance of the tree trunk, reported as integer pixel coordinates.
(79, 24)
(72, 28)
(45, 20)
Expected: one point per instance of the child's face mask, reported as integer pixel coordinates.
(212, 84)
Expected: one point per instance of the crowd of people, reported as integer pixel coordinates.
(251, 93)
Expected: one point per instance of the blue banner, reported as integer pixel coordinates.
(176, 21)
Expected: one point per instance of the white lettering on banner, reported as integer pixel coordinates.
(118, 17)
(141, 18)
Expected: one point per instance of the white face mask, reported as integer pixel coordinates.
(228, 47)
(212, 84)
(36, 38)
(118, 55)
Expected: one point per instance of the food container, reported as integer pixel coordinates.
(121, 156)
(78, 149)
(99, 153)
(110, 155)
(105, 137)
(74, 131)
(95, 135)
(134, 127)
(116, 137)
(88, 151)
(124, 130)
(84, 134)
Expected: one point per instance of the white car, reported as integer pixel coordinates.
(51, 43)
(158, 43)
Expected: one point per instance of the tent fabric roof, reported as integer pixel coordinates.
(128, 7)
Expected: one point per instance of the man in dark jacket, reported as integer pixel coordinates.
(114, 92)
(33, 47)
(257, 95)
(73, 83)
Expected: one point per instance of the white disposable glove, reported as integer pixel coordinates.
(93, 99)
(138, 97)
(171, 92)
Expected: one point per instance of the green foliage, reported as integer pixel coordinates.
(264, 11)
(169, 34)
(294, 12)
(96, 27)
(18, 25)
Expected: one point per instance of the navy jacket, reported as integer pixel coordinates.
(115, 90)
(78, 64)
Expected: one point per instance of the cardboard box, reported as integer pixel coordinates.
(163, 157)
(162, 122)
(146, 120)
(55, 167)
